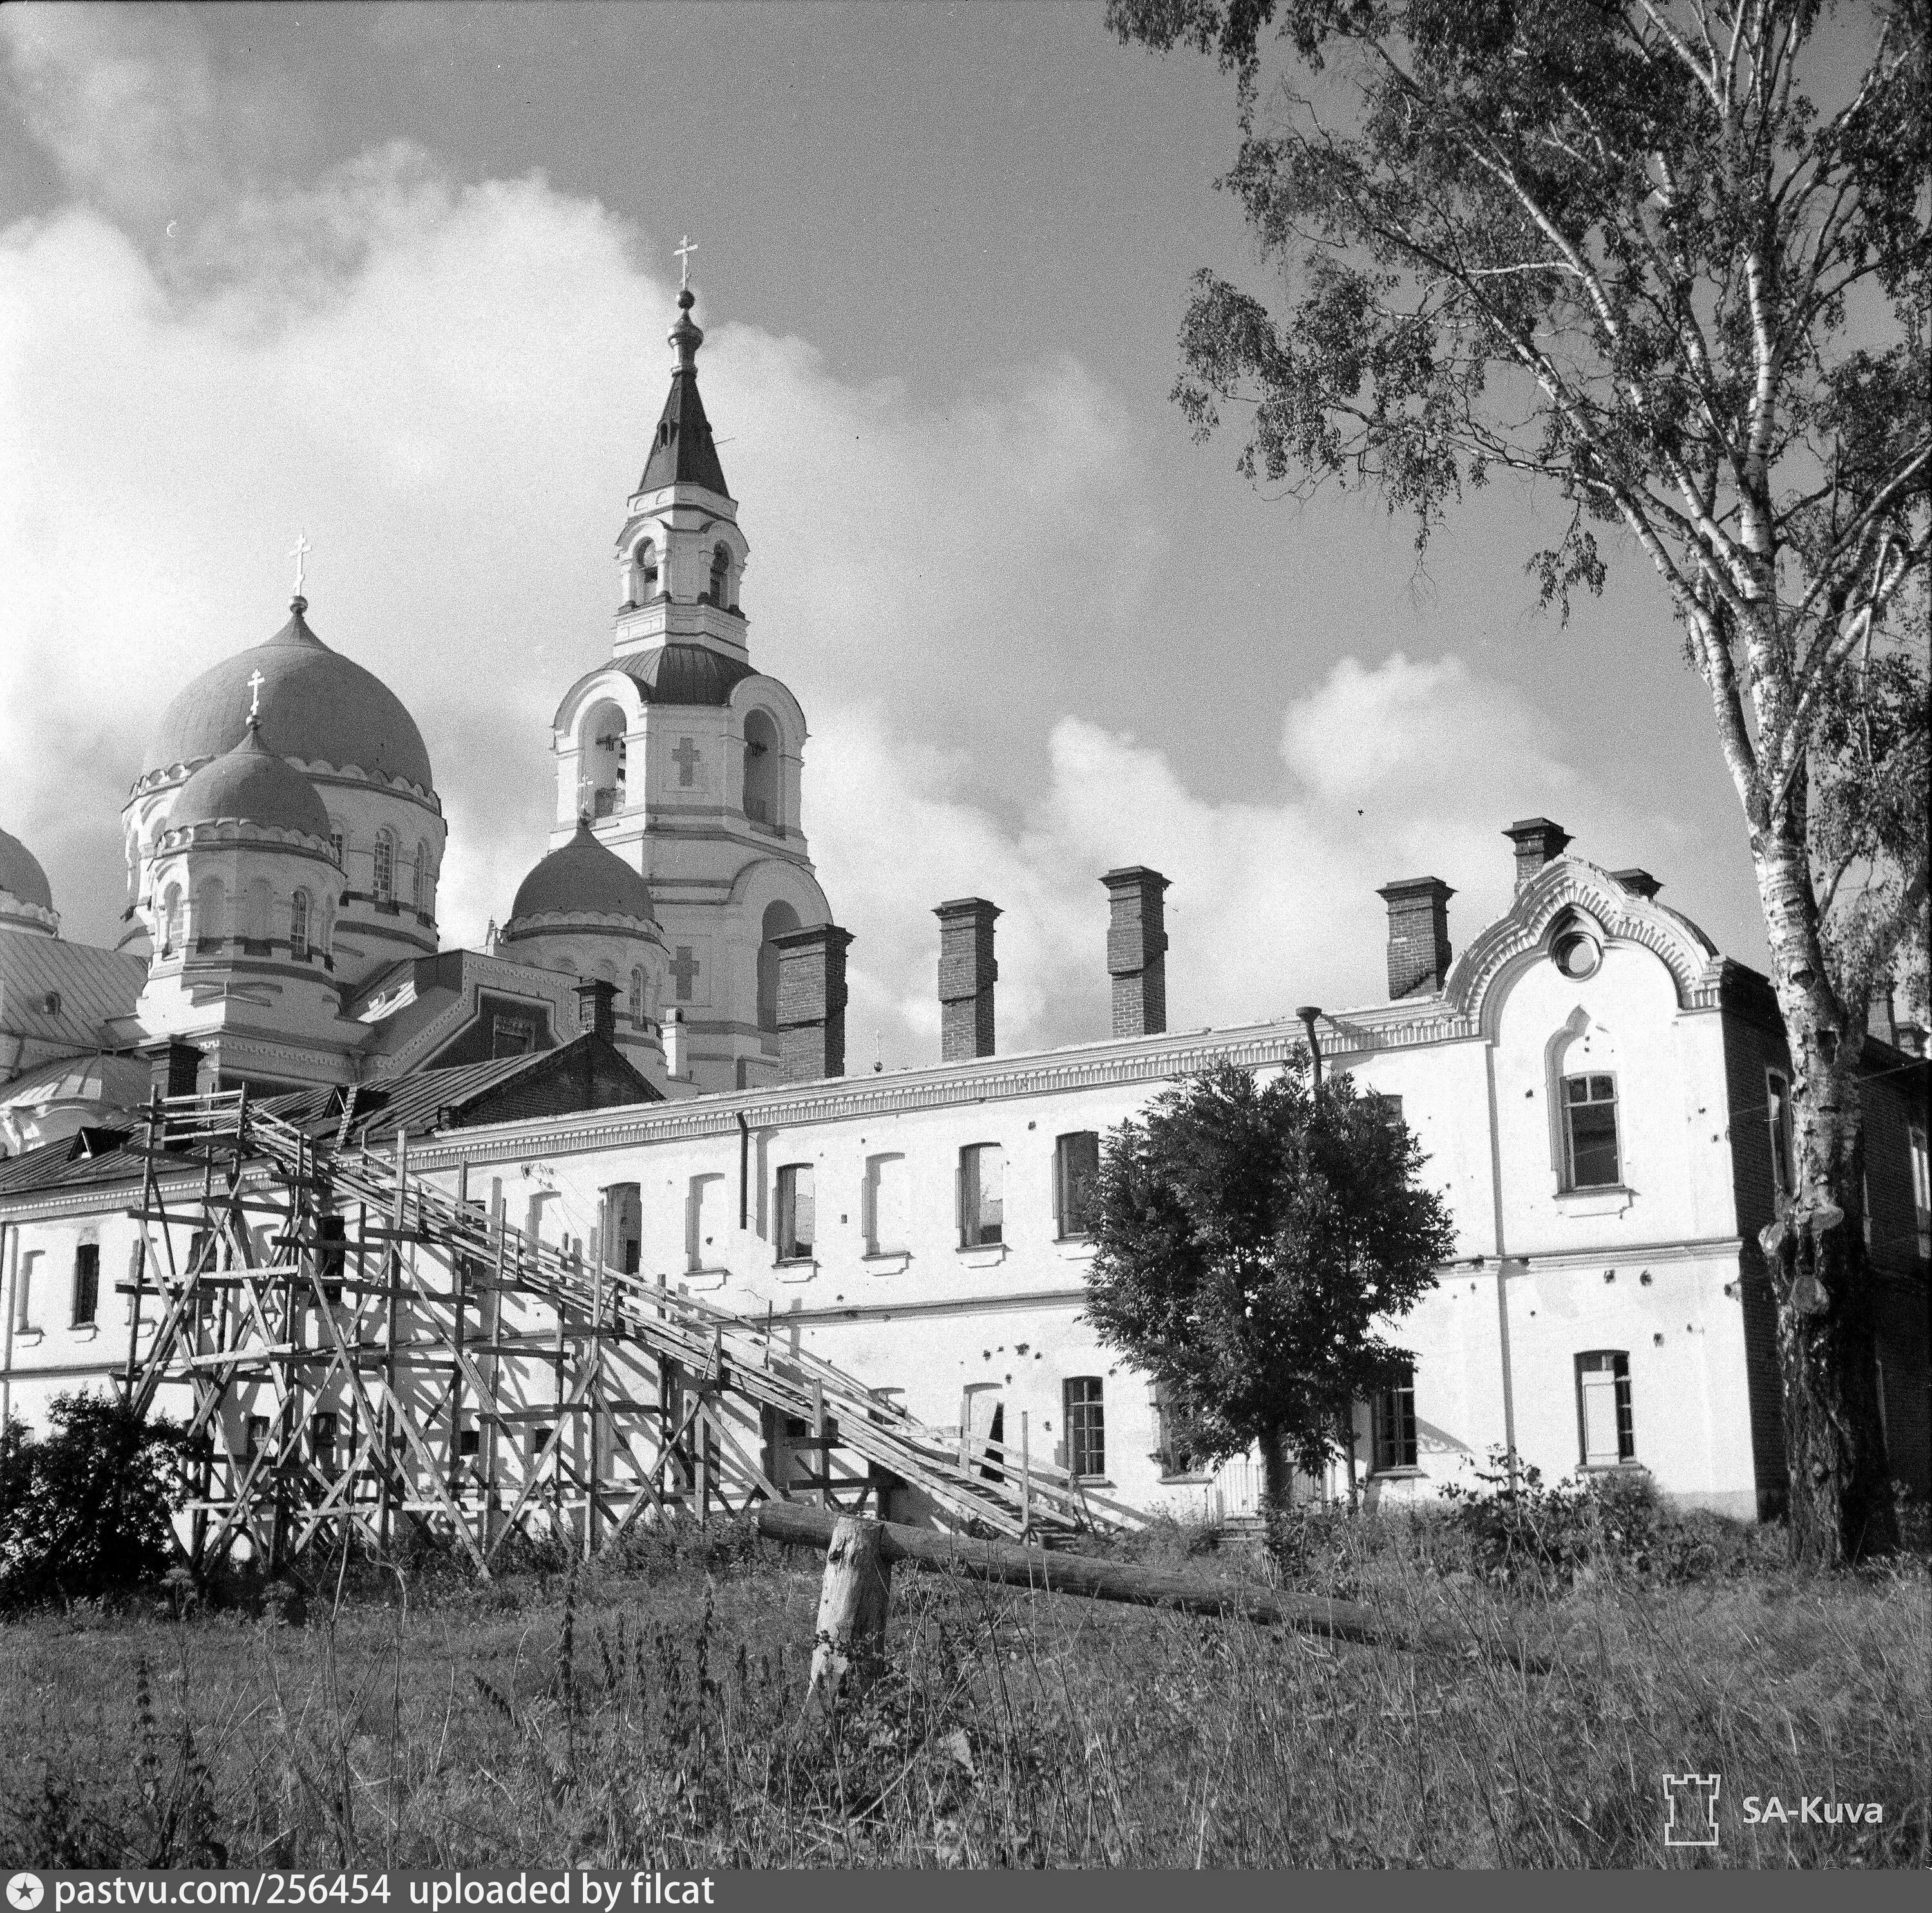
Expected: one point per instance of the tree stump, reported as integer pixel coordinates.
(852, 1602)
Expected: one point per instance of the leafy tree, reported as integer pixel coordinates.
(89, 1510)
(1672, 257)
(1250, 1238)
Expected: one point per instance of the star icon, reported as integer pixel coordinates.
(24, 1892)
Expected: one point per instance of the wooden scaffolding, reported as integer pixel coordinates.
(365, 1356)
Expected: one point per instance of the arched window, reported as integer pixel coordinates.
(210, 912)
(421, 878)
(338, 842)
(720, 576)
(172, 926)
(299, 909)
(644, 572)
(764, 770)
(255, 914)
(383, 883)
(602, 759)
(637, 997)
(779, 918)
(325, 943)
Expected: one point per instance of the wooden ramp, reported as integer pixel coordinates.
(364, 1352)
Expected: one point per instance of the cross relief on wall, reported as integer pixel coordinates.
(687, 758)
(683, 970)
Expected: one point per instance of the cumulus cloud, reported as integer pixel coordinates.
(450, 388)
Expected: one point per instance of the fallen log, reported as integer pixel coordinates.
(1014, 1566)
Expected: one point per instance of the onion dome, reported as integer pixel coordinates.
(316, 706)
(583, 879)
(250, 785)
(21, 875)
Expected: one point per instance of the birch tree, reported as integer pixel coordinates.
(1672, 258)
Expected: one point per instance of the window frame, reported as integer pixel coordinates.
(1615, 1363)
(790, 1247)
(1393, 1446)
(382, 868)
(299, 911)
(1068, 1226)
(972, 1200)
(1569, 1105)
(1085, 1419)
(85, 1299)
(1782, 1131)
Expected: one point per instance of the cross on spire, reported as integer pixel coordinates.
(298, 551)
(255, 680)
(683, 253)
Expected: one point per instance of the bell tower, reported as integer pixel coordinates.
(687, 761)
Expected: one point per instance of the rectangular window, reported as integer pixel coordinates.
(887, 1209)
(1086, 1427)
(1605, 1431)
(86, 1282)
(321, 1440)
(1392, 1425)
(1590, 1131)
(981, 1193)
(704, 1223)
(1076, 1180)
(23, 1291)
(1778, 1099)
(333, 1253)
(540, 1440)
(795, 1219)
(469, 1443)
(1921, 1189)
(512, 1036)
(257, 1437)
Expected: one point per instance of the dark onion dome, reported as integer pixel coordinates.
(21, 874)
(250, 784)
(685, 674)
(583, 879)
(317, 706)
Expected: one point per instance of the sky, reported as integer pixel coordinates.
(399, 277)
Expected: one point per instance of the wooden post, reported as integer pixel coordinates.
(818, 1446)
(852, 1602)
(1026, 1480)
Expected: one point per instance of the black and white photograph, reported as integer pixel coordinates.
(956, 936)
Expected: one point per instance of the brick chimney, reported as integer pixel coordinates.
(1418, 935)
(1538, 842)
(967, 974)
(812, 1002)
(597, 1008)
(1137, 949)
(174, 1067)
(677, 1059)
(1639, 882)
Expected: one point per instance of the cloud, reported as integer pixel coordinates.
(450, 388)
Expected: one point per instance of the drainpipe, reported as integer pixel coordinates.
(1502, 1265)
(744, 1174)
(1308, 1013)
(10, 1247)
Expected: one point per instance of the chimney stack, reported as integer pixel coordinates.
(1538, 842)
(812, 1002)
(174, 1067)
(1639, 882)
(1137, 949)
(1418, 936)
(597, 1008)
(967, 974)
(677, 1061)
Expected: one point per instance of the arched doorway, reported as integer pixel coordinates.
(779, 918)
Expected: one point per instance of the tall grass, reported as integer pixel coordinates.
(653, 1715)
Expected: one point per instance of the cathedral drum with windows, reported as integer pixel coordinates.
(686, 761)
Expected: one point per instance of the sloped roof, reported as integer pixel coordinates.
(120, 1082)
(682, 452)
(89, 986)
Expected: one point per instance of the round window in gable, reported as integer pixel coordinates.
(1577, 955)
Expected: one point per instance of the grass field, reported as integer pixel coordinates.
(653, 1715)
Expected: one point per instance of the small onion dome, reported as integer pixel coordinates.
(250, 785)
(21, 875)
(317, 707)
(583, 879)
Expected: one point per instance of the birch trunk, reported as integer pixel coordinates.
(1839, 1506)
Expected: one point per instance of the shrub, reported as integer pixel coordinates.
(89, 1510)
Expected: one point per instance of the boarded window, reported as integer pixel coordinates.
(1392, 1425)
(888, 1210)
(257, 1438)
(797, 1227)
(321, 1440)
(1606, 1431)
(1076, 1182)
(512, 1036)
(1086, 1426)
(1590, 1131)
(86, 1282)
(981, 1195)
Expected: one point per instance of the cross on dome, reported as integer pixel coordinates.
(683, 253)
(298, 551)
(255, 680)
